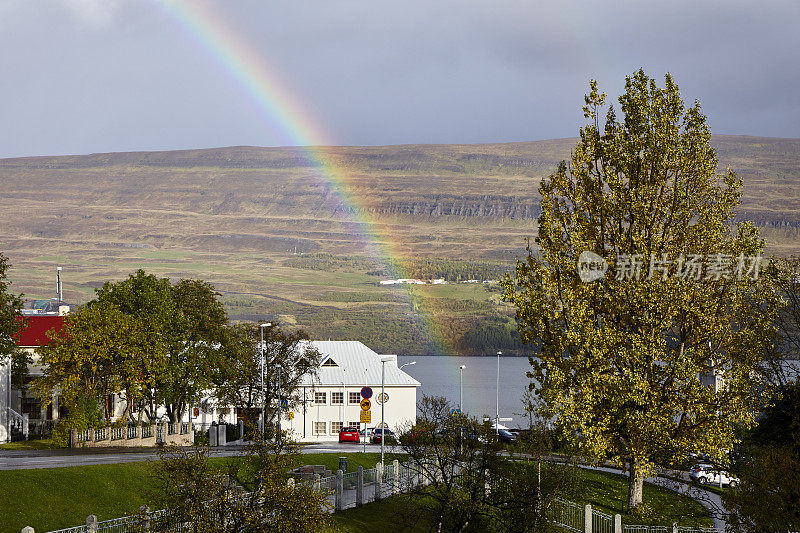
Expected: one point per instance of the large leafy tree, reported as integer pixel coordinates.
(157, 342)
(100, 351)
(287, 358)
(188, 322)
(622, 357)
(10, 305)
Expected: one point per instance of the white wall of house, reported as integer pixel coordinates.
(5, 402)
(331, 399)
(322, 421)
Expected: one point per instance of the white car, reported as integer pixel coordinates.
(706, 474)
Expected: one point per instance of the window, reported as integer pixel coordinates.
(320, 397)
(329, 362)
(32, 407)
(337, 398)
(336, 427)
(319, 428)
(354, 398)
(355, 424)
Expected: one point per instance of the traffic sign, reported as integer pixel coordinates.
(382, 398)
(366, 392)
(455, 412)
(284, 404)
(365, 404)
(366, 417)
(291, 415)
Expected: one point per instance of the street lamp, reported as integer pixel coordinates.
(461, 407)
(497, 398)
(406, 364)
(461, 389)
(261, 346)
(382, 397)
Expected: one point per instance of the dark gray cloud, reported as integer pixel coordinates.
(84, 76)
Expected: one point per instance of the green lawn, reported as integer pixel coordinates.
(32, 444)
(61, 497)
(608, 493)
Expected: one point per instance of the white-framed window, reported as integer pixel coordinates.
(321, 398)
(336, 427)
(354, 398)
(354, 424)
(319, 428)
(337, 398)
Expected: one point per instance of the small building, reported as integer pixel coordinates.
(14, 402)
(332, 399)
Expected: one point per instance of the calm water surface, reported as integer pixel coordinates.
(439, 376)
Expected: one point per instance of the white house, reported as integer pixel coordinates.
(332, 399)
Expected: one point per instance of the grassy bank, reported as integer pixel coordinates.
(61, 497)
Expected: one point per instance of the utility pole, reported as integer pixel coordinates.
(497, 398)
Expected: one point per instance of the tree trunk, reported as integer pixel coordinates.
(635, 485)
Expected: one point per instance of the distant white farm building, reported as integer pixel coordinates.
(331, 399)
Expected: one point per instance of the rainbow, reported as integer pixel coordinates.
(276, 102)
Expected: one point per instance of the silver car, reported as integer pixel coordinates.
(707, 474)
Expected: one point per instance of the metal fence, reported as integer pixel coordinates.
(566, 514)
(571, 516)
(602, 522)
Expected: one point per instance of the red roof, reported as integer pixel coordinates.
(35, 334)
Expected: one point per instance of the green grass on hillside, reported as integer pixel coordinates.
(62, 497)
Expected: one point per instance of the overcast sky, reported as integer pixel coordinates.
(82, 76)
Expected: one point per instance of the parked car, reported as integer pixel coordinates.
(349, 434)
(707, 474)
(369, 432)
(414, 436)
(379, 433)
(507, 437)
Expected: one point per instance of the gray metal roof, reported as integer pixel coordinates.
(356, 365)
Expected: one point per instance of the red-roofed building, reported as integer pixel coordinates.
(35, 333)
(20, 401)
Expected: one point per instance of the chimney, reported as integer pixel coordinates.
(59, 292)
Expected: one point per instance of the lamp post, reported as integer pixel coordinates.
(261, 346)
(461, 407)
(383, 401)
(461, 389)
(497, 398)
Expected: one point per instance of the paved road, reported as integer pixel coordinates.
(22, 459)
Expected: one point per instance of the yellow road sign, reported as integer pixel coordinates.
(291, 415)
(366, 417)
(365, 404)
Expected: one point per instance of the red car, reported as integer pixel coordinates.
(349, 435)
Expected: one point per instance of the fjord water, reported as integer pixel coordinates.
(439, 376)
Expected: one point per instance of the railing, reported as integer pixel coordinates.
(117, 433)
(147, 431)
(350, 479)
(602, 522)
(19, 422)
(100, 434)
(327, 483)
(567, 514)
(131, 432)
(571, 516)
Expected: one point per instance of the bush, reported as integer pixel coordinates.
(85, 413)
